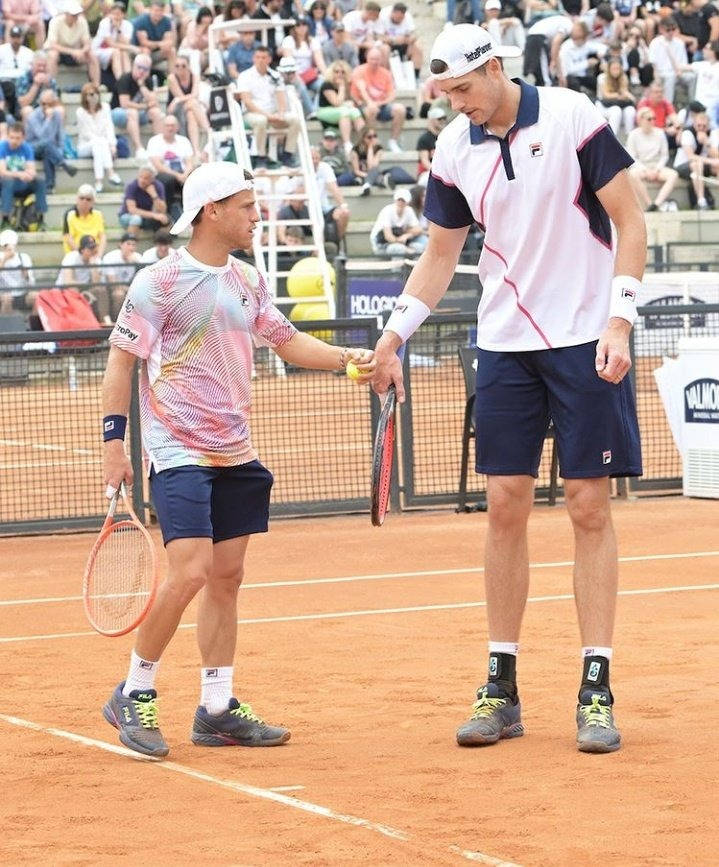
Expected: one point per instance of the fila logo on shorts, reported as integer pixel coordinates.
(607, 457)
(548, 259)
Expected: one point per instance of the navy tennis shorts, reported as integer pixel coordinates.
(595, 421)
(216, 502)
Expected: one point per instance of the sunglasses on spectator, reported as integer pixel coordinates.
(370, 135)
(85, 198)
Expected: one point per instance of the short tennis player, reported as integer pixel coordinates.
(192, 318)
(542, 173)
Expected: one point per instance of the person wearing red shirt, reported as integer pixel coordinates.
(372, 88)
(654, 99)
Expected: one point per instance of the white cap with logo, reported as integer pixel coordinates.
(465, 47)
(210, 182)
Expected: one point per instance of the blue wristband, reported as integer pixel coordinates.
(113, 427)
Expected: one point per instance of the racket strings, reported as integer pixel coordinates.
(121, 577)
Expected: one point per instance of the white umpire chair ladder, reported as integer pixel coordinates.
(265, 249)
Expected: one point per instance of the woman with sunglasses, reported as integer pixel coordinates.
(96, 136)
(647, 146)
(365, 162)
(184, 103)
(335, 106)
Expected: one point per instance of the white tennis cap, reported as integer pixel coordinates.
(464, 47)
(210, 182)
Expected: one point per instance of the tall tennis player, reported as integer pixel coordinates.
(192, 319)
(542, 173)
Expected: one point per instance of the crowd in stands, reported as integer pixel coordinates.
(651, 67)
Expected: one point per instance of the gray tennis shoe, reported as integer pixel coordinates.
(596, 730)
(135, 717)
(237, 726)
(494, 716)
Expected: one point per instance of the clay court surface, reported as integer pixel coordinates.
(368, 644)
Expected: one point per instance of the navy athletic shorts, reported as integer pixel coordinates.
(595, 421)
(216, 502)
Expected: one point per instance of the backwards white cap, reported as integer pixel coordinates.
(210, 182)
(465, 47)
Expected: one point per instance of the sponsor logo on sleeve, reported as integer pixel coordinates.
(126, 332)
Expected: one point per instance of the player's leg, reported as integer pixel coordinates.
(182, 499)
(240, 507)
(597, 437)
(511, 422)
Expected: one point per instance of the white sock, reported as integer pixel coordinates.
(504, 647)
(216, 689)
(606, 652)
(141, 675)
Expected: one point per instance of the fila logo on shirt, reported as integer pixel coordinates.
(245, 300)
(536, 149)
(607, 457)
(593, 673)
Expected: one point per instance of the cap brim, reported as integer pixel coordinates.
(184, 221)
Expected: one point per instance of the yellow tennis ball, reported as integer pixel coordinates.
(352, 370)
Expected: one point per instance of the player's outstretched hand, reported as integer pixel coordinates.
(613, 358)
(361, 365)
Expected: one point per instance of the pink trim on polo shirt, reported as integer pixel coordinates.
(442, 180)
(486, 189)
(586, 216)
(591, 136)
(516, 293)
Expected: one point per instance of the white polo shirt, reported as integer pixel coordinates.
(548, 256)
(396, 31)
(262, 88)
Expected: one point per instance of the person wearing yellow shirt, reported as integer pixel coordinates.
(83, 219)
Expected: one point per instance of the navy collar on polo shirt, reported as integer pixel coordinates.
(527, 113)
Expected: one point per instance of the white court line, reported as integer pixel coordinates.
(286, 788)
(332, 615)
(384, 576)
(252, 791)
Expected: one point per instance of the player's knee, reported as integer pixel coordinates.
(588, 506)
(508, 504)
(225, 581)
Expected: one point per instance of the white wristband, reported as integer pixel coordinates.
(623, 301)
(409, 313)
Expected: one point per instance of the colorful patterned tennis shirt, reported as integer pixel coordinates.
(193, 326)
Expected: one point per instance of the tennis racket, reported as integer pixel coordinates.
(120, 579)
(383, 455)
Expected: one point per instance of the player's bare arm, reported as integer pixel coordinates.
(116, 388)
(618, 198)
(307, 351)
(428, 282)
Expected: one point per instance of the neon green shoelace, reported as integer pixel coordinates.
(244, 711)
(485, 706)
(147, 713)
(596, 714)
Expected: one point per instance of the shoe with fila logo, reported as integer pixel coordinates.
(135, 717)
(596, 729)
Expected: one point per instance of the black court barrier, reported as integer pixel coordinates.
(313, 429)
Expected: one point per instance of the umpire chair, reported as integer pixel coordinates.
(468, 363)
